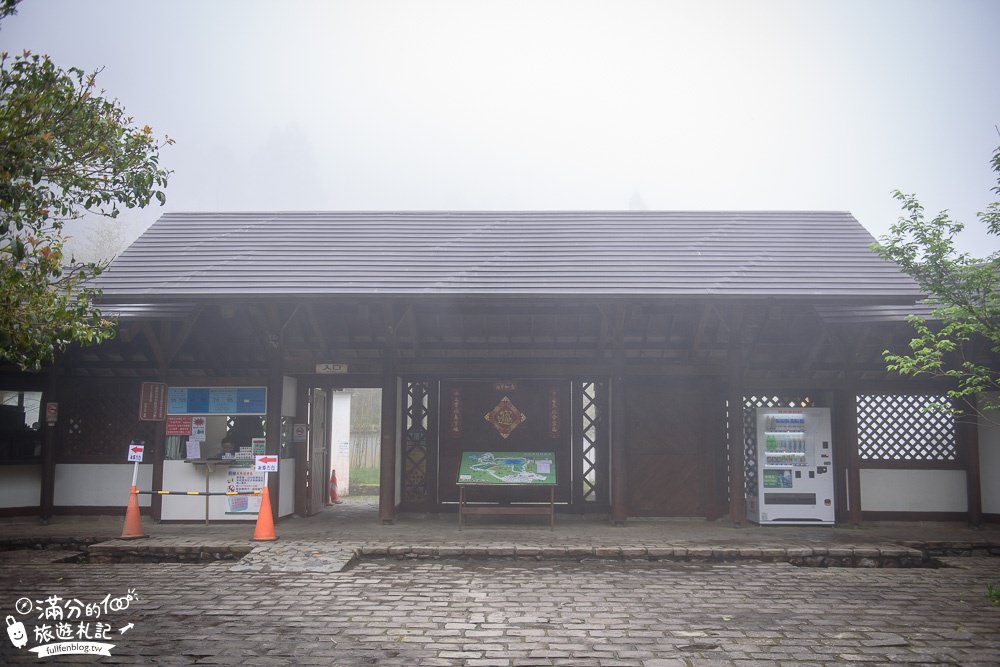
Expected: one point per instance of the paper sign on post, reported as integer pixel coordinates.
(135, 452)
(266, 463)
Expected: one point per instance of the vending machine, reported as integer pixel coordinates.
(794, 467)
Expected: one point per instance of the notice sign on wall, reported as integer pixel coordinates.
(178, 425)
(153, 402)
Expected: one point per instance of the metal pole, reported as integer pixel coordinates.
(208, 469)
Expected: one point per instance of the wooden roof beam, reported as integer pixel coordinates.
(262, 320)
(815, 350)
(269, 322)
(409, 319)
(166, 340)
(848, 349)
(699, 334)
(390, 324)
(309, 313)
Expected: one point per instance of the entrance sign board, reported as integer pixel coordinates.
(331, 369)
(508, 468)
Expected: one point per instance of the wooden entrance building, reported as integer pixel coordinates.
(634, 345)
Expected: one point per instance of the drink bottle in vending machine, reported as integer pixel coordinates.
(794, 467)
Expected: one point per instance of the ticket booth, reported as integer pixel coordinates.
(212, 437)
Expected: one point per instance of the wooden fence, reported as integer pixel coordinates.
(364, 449)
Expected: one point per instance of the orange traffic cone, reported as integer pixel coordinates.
(133, 524)
(264, 531)
(334, 497)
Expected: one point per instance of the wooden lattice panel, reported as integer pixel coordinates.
(902, 428)
(750, 405)
(415, 442)
(96, 424)
(589, 433)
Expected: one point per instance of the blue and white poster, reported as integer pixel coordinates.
(217, 400)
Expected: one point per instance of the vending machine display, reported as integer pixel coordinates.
(794, 467)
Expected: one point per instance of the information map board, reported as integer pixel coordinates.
(508, 468)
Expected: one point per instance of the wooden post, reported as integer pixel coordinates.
(737, 462)
(158, 451)
(387, 450)
(619, 479)
(849, 422)
(967, 437)
(48, 486)
(847, 484)
(390, 415)
(272, 443)
(301, 464)
(619, 473)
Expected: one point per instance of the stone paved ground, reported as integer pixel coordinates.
(427, 611)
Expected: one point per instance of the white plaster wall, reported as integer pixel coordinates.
(181, 476)
(99, 484)
(20, 486)
(989, 462)
(286, 490)
(913, 491)
(340, 439)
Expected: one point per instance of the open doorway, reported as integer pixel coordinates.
(355, 438)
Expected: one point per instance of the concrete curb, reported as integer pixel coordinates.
(290, 556)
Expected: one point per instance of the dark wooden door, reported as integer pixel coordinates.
(317, 466)
(675, 431)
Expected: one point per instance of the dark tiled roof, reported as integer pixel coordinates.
(874, 314)
(147, 311)
(512, 253)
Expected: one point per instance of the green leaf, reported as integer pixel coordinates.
(964, 290)
(65, 149)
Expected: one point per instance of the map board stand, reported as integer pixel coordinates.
(508, 469)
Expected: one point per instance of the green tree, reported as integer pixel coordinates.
(66, 151)
(964, 292)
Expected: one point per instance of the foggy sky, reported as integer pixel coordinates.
(550, 105)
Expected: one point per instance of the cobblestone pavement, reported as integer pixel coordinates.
(411, 610)
(339, 588)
